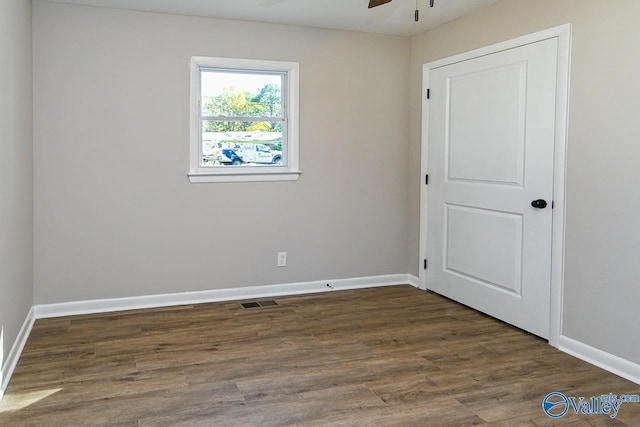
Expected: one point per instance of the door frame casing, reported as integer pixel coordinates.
(563, 35)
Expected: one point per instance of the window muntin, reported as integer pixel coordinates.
(244, 120)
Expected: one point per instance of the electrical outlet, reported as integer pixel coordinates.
(282, 259)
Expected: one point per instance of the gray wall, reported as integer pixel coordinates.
(16, 149)
(602, 283)
(115, 215)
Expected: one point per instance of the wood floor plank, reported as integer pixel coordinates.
(382, 356)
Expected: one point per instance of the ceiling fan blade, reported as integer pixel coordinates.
(374, 3)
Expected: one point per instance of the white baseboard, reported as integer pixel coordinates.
(413, 281)
(15, 352)
(607, 361)
(164, 300)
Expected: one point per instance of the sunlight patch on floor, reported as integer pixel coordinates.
(16, 401)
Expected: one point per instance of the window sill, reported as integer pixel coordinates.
(248, 176)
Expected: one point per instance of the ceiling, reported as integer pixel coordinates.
(392, 18)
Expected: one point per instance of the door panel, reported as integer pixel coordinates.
(491, 144)
(497, 126)
(484, 246)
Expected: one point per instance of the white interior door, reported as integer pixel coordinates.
(490, 155)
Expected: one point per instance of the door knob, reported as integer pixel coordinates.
(539, 204)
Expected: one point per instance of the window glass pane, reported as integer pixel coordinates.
(241, 94)
(241, 143)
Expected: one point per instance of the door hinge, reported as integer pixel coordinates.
(426, 179)
(428, 93)
(552, 204)
(425, 264)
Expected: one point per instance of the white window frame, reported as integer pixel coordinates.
(289, 171)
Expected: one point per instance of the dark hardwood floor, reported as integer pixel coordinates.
(373, 357)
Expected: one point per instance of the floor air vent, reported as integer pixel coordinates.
(256, 304)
